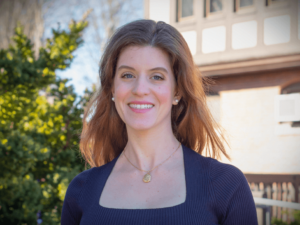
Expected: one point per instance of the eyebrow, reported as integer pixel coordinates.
(153, 69)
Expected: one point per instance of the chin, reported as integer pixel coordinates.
(140, 125)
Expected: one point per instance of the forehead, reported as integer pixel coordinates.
(144, 57)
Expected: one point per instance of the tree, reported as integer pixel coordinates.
(38, 137)
(36, 16)
(106, 17)
(27, 12)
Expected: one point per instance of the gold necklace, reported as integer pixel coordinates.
(147, 176)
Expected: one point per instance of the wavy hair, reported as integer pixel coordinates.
(104, 136)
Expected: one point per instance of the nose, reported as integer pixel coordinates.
(141, 86)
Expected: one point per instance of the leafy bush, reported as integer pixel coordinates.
(39, 139)
(296, 215)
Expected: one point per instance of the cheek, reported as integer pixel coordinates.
(121, 91)
(165, 94)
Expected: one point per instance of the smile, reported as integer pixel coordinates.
(141, 106)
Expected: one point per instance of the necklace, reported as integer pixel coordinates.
(147, 176)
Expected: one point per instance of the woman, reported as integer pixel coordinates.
(150, 113)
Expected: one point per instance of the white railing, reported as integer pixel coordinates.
(271, 202)
(266, 204)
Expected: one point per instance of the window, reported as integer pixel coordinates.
(212, 7)
(287, 105)
(184, 9)
(215, 6)
(242, 4)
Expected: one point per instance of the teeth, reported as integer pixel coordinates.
(143, 106)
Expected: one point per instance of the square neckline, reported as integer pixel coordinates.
(110, 169)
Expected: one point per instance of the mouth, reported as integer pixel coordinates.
(141, 106)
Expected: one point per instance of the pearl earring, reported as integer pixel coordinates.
(113, 98)
(176, 100)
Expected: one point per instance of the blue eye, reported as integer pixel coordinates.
(127, 75)
(156, 77)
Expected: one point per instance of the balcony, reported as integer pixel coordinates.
(281, 187)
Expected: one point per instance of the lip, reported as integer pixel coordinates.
(140, 110)
(140, 102)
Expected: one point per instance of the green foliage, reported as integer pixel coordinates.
(296, 216)
(39, 152)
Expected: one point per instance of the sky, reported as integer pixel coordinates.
(83, 71)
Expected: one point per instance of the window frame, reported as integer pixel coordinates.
(179, 11)
(270, 2)
(237, 7)
(207, 9)
(284, 91)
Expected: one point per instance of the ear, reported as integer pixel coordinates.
(176, 98)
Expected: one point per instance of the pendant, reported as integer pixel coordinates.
(147, 178)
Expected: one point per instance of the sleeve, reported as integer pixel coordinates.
(232, 197)
(71, 211)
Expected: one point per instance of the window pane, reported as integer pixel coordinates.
(215, 5)
(244, 3)
(187, 8)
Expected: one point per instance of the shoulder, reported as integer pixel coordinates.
(73, 205)
(82, 180)
(75, 198)
(214, 169)
(71, 211)
(224, 179)
(77, 184)
(225, 173)
(230, 194)
(228, 189)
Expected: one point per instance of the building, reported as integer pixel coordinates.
(251, 49)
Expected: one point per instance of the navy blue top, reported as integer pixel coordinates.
(216, 193)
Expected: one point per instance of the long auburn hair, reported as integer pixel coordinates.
(104, 134)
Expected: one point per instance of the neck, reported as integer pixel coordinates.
(146, 149)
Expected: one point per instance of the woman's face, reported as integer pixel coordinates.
(144, 87)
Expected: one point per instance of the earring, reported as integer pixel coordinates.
(176, 100)
(113, 98)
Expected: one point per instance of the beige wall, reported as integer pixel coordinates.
(248, 117)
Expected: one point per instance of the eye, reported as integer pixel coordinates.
(127, 75)
(157, 77)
